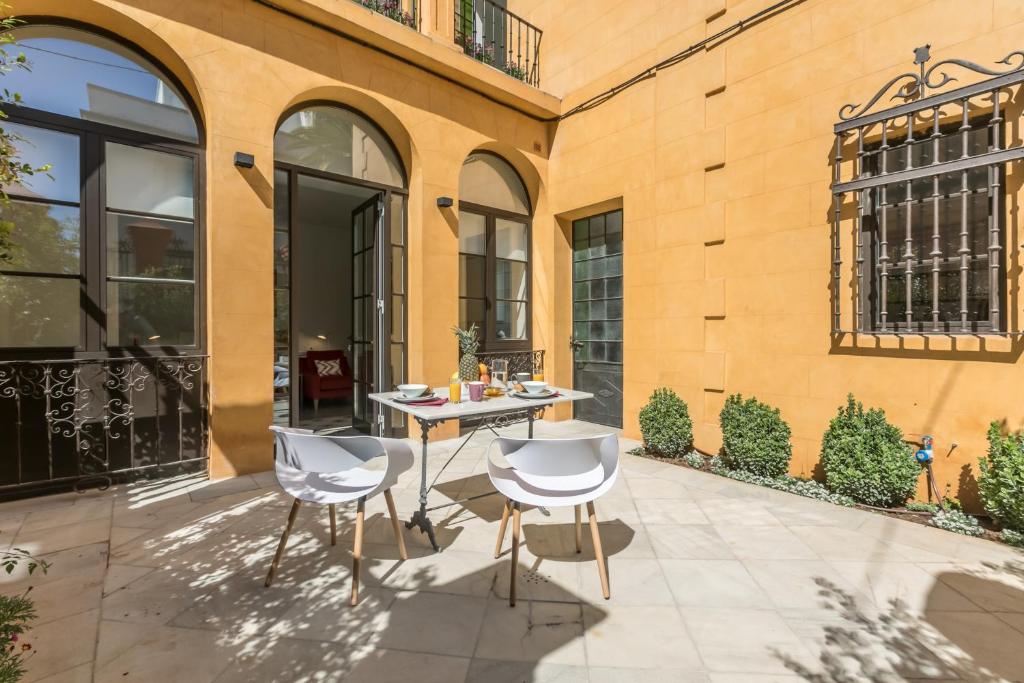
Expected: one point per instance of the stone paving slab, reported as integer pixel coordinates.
(712, 580)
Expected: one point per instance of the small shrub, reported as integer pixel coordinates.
(1011, 537)
(864, 457)
(16, 612)
(923, 507)
(665, 424)
(957, 522)
(639, 450)
(694, 460)
(755, 438)
(1001, 483)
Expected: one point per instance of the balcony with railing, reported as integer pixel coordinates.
(405, 12)
(489, 33)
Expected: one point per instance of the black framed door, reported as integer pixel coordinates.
(597, 333)
(375, 343)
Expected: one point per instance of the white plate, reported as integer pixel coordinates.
(524, 394)
(418, 399)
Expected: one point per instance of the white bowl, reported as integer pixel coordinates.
(535, 387)
(412, 390)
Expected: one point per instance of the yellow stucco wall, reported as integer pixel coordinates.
(720, 163)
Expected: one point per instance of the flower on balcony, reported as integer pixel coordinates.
(392, 9)
(478, 51)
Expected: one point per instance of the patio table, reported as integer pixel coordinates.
(493, 412)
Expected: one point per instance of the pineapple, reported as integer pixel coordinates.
(469, 369)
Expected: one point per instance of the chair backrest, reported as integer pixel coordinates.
(307, 364)
(303, 450)
(562, 457)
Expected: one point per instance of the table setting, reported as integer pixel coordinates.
(496, 400)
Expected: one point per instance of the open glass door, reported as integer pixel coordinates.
(378, 310)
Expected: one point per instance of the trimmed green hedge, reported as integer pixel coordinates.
(755, 438)
(666, 425)
(865, 458)
(1001, 483)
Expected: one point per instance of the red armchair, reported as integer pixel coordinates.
(316, 386)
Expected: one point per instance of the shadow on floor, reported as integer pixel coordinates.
(896, 643)
(420, 619)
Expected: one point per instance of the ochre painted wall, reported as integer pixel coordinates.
(721, 164)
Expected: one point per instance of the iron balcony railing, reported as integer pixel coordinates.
(518, 361)
(405, 12)
(76, 422)
(489, 33)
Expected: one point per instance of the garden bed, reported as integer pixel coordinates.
(809, 488)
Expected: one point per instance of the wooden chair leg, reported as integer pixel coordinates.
(515, 556)
(502, 527)
(357, 550)
(602, 570)
(579, 528)
(284, 541)
(395, 524)
(334, 523)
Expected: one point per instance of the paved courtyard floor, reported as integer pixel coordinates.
(712, 580)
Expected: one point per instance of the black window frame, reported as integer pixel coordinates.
(490, 342)
(93, 272)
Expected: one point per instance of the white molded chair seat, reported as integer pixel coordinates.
(553, 473)
(327, 470)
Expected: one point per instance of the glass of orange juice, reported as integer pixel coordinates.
(454, 389)
(538, 368)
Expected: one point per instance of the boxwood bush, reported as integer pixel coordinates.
(755, 438)
(665, 424)
(1001, 483)
(865, 458)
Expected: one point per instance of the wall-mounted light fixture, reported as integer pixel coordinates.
(243, 160)
(444, 202)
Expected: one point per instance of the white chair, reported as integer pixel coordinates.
(328, 470)
(553, 473)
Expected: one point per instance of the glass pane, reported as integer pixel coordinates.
(149, 182)
(472, 311)
(280, 317)
(338, 141)
(90, 77)
(39, 238)
(472, 281)
(397, 219)
(490, 181)
(397, 318)
(511, 277)
(397, 270)
(281, 261)
(143, 314)
(38, 312)
(613, 223)
(397, 377)
(472, 233)
(510, 239)
(581, 232)
(150, 247)
(510, 320)
(38, 147)
(281, 217)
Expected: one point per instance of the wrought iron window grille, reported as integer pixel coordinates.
(918, 197)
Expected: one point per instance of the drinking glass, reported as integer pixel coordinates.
(499, 371)
(538, 368)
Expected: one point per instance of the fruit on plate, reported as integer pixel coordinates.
(485, 378)
(483, 368)
(493, 391)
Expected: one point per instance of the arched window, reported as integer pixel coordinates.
(103, 251)
(339, 141)
(494, 252)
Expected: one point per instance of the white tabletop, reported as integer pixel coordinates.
(498, 404)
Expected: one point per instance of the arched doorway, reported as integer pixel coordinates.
(101, 262)
(339, 290)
